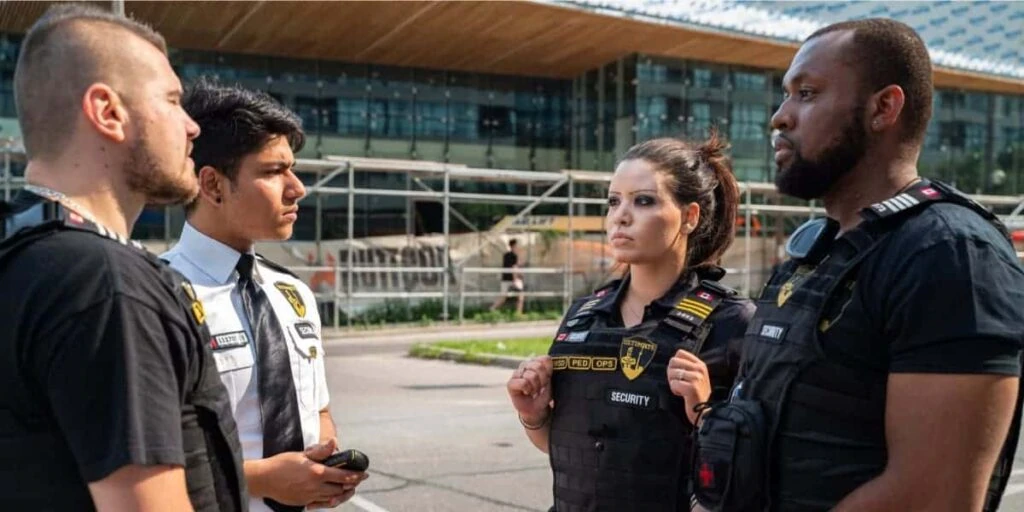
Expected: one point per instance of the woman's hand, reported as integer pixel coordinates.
(688, 378)
(530, 390)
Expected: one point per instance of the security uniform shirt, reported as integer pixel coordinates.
(101, 367)
(943, 294)
(210, 265)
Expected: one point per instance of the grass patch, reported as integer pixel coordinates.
(477, 351)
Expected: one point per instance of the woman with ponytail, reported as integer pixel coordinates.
(633, 365)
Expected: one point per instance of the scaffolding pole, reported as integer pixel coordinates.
(568, 262)
(351, 237)
(318, 230)
(746, 225)
(447, 242)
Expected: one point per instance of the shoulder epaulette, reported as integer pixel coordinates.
(275, 266)
(584, 306)
(906, 201)
(927, 192)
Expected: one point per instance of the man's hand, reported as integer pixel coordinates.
(296, 478)
(320, 452)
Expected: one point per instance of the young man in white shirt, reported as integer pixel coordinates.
(263, 320)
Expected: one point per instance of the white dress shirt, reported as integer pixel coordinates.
(210, 265)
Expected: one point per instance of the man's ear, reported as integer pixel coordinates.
(885, 108)
(212, 186)
(105, 111)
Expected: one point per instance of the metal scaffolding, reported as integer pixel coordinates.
(556, 188)
(333, 167)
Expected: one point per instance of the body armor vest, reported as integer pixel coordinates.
(213, 465)
(785, 407)
(619, 439)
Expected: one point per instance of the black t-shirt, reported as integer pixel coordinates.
(723, 348)
(96, 360)
(508, 260)
(943, 294)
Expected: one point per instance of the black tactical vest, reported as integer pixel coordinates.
(772, 423)
(213, 464)
(619, 439)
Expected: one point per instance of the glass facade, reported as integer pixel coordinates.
(475, 119)
(975, 140)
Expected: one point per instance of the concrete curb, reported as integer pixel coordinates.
(330, 333)
(460, 356)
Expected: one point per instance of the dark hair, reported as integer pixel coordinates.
(235, 122)
(887, 52)
(512, 242)
(62, 54)
(701, 173)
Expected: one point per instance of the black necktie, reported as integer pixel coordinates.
(279, 407)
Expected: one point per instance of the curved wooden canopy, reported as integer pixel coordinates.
(518, 38)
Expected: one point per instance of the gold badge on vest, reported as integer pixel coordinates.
(291, 293)
(798, 277)
(634, 355)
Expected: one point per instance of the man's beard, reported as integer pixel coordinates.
(812, 179)
(159, 186)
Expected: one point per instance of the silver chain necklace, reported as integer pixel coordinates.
(78, 209)
(63, 199)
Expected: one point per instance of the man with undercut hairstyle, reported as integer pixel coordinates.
(111, 399)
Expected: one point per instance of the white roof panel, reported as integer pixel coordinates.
(983, 37)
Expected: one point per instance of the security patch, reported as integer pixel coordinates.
(630, 399)
(229, 340)
(306, 330)
(292, 295)
(772, 332)
(635, 354)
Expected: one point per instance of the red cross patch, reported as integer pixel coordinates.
(930, 192)
(561, 337)
(706, 296)
(706, 475)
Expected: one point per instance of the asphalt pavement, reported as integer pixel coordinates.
(442, 436)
